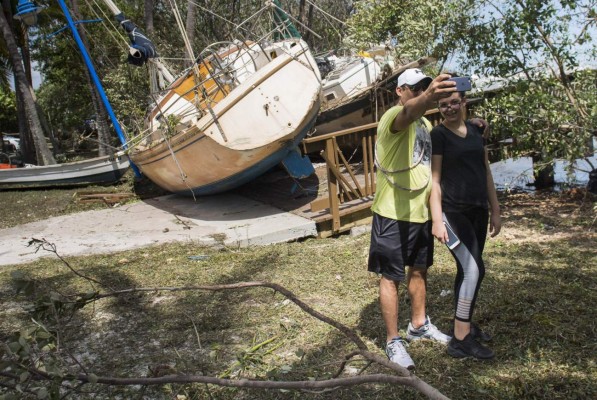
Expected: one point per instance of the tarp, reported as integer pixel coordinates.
(283, 22)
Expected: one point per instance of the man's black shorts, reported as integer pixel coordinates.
(397, 244)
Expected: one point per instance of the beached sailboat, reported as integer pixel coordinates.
(242, 108)
(99, 170)
(348, 78)
(358, 90)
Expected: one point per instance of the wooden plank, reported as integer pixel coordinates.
(349, 169)
(358, 218)
(347, 209)
(327, 136)
(371, 172)
(321, 203)
(332, 183)
(109, 198)
(342, 181)
(368, 190)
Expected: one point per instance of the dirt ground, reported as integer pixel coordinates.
(557, 215)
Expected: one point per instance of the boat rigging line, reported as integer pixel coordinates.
(183, 175)
(197, 73)
(325, 13)
(237, 26)
(295, 20)
(183, 34)
(108, 20)
(188, 46)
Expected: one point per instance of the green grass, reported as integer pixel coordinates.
(537, 300)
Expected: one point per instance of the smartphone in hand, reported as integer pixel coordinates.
(453, 240)
(463, 83)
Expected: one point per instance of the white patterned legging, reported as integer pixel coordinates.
(471, 228)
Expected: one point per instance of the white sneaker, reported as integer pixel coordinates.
(427, 331)
(396, 352)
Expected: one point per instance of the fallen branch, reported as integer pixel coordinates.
(405, 377)
(244, 285)
(410, 381)
(43, 244)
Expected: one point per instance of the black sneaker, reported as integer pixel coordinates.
(469, 347)
(479, 334)
(476, 333)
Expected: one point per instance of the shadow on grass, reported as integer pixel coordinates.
(535, 305)
(536, 300)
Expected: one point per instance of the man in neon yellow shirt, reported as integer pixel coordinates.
(401, 230)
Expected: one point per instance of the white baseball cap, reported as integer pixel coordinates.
(412, 76)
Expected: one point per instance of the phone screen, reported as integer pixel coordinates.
(453, 240)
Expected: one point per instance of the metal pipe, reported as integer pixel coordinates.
(112, 6)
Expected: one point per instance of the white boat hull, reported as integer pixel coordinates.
(100, 170)
(341, 86)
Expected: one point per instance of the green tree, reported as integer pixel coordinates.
(416, 28)
(68, 96)
(536, 46)
(5, 70)
(25, 91)
(549, 106)
(8, 111)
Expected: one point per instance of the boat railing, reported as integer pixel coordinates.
(220, 68)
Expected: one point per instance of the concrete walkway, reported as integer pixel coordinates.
(226, 219)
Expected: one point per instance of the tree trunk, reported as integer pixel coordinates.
(101, 116)
(54, 139)
(149, 17)
(235, 9)
(44, 156)
(103, 129)
(592, 185)
(26, 54)
(308, 36)
(56, 148)
(301, 17)
(190, 28)
(209, 21)
(26, 146)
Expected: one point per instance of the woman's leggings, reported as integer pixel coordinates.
(471, 228)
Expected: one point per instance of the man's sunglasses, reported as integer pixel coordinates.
(418, 87)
